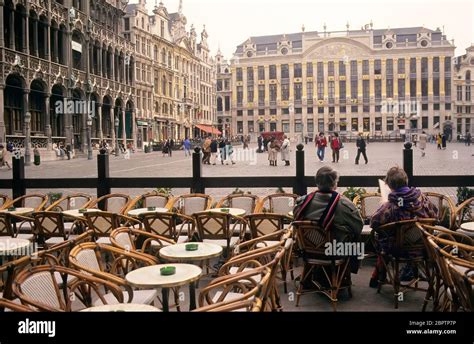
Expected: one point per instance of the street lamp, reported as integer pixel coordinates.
(117, 148)
(27, 138)
(89, 143)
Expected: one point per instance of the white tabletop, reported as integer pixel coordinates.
(18, 211)
(12, 245)
(122, 307)
(150, 276)
(142, 211)
(178, 252)
(232, 211)
(76, 213)
(468, 226)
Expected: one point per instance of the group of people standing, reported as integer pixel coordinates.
(219, 149)
(334, 141)
(274, 146)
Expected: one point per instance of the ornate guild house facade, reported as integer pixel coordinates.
(380, 82)
(104, 70)
(464, 104)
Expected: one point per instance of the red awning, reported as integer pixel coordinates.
(208, 129)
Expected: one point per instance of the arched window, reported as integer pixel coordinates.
(219, 104)
(163, 56)
(468, 75)
(170, 60)
(163, 86)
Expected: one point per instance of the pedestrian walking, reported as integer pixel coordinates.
(273, 148)
(214, 149)
(171, 145)
(443, 141)
(285, 150)
(468, 139)
(321, 144)
(166, 147)
(260, 143)
(246, 143)
(439, 140)
(229, 152)
(187, 147)
(336, 145)
(206, 149)
(422, 139)
(361, 149)
(222, 151)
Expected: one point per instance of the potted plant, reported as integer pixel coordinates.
(352, 192)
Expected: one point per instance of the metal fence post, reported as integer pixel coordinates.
(18, 182)
(408, 162)
(103, 182)
(197, 184)
(300, 187)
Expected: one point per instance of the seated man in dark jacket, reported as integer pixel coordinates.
(332, 211)
(404, 203)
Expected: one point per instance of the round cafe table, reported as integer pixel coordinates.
(18, 211)
(232, 211)
(143, 211)
(468, 228)
(122, 307)
(150, 277)
(178, 252)
(75, 212)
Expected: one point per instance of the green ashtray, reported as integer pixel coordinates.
(11, 209)
(191, 247)
(225, 210)
(82, 211)
(151, 208)
(168, 271)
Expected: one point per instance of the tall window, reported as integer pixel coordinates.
(365, 67)
(249, 74)
(309, 69)
(447, 87)
(239, 74)
(331, 90)
(378, 89)
(342, 90)
(250, 93)
(261, 73)
(389, 88)
(401, 66)
(459, 93)
(342, 68)
(285, 71)
(389, 67)
(330, 68)
(297, 88)
(285, 92)
(240, 95)
(297, 70)
(309, 89)
(436, 64)
(354, 89)
(424, 65)
(162, 31)
(468, 93)
(273, 72)
(447, 64)
(353, 69)
(413, 65)
(320, 72)
(365, 90)
(401, 88)
(378, 67)
(273, 93)
(320, 90)
(261, 94)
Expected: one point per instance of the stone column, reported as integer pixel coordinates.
(12, 29)
(35, 37)
(112, 130)
(26, 105)
(99, 130)
(2, 41)
(47, 120)
(124, 131)
(24, 22)
(56, 44)
(46, 40)
(99, 60)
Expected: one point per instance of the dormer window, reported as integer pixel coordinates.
(424, 43)
(284, 51)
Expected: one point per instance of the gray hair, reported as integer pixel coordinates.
(326, 179)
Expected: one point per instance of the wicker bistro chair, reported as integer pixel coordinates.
(220, 229)
(251, 305)
(39, 288)
(464, 213)
(226, 290)
(266, 223)
(279, 203)
(113, 203)
(103, 223)
(35, 201)
(242, 201)
(333, 270)
(112, 264)
(50, 228)
(17, 226)
(7, 305)
(192, 203)
(367, 204)
(138, 241)
(400, 243)
(169, 225)
(463, 280)
(150, 199)
(446, 208)
(4, 200)
(72, 201)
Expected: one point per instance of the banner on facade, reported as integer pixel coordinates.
(77, 46)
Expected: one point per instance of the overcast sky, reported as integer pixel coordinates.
(231, 22)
